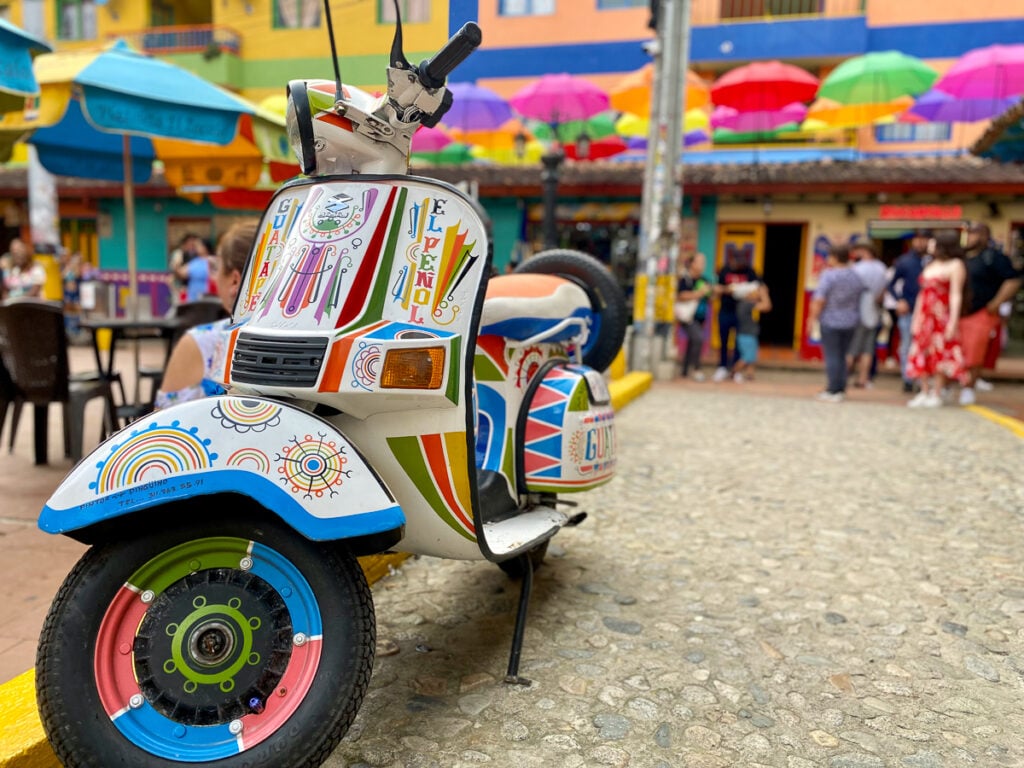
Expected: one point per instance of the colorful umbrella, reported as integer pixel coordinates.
(994, 72)
(598, 148)
(597, 127)
(531, 152)
(936, 106)
(451, 154)
(501, 138)
(835, 115)
(17, 48)
(877, 77)
(429, 140)
(630, 125)
(120, 96)
(690, 138)
(475, 108)
(760, 120)
(17, 81)
(725, 136)
(560, 98)
(633, 92)
(763, 85)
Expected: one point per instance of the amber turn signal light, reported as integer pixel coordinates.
(413, 368)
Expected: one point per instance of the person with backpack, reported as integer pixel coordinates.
(992, 280)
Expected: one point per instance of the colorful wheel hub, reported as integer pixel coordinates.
(208, 649)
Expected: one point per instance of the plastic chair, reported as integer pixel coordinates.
(33, 346)
(191, 314)
(8, 397)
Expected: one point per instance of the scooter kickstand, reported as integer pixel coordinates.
(512, 677)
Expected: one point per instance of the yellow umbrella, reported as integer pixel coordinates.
(633, 126)
(633, 93)
(532, 153)
(835, 115)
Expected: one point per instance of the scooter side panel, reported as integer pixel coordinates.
(569, 441)
(291, 462)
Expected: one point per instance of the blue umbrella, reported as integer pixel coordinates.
(17, 82)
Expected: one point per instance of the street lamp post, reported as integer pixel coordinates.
(552, 161)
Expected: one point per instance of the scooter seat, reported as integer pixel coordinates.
(528, 306)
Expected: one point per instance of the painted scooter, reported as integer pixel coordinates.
(384, 394)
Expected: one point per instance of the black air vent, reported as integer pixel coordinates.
(280, 361)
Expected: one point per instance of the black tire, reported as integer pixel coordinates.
(606, 299)
(514, 568)
(185, 625)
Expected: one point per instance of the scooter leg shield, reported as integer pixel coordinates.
(285, 459)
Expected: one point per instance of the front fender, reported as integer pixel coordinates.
(289, 461)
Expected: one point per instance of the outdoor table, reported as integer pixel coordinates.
(164, 328)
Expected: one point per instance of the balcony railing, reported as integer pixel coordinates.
(210, 39)
(707, 12)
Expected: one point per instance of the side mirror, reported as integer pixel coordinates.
(299, 125)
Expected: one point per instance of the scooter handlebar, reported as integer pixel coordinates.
(432, 73)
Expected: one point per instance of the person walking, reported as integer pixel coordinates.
(903, 287)
(692, 293)
(936, 357)
(734, 278)
(872, 274)
(992, 280)
(835, 306)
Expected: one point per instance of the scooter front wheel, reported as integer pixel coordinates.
(227, 644)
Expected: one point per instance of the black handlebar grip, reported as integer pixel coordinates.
(433, 72)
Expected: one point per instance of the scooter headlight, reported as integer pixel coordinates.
(299, 124)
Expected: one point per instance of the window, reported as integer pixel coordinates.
(413, 11)
(912, 132)
(33, 18)
(526, 7)
(76, 20)
(606, 5)
(297, 14)
(746, 9)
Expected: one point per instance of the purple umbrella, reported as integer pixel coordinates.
(475, 108)
(993, 72)
(556, 99)
(760, 120)
(698, 136)
(939, 107)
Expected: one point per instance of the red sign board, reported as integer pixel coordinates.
(921, 212)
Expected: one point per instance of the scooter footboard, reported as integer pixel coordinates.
(287, 460)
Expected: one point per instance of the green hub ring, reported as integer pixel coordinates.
(180, 641)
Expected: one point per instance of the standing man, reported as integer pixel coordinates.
(736, 272)
(991, 280)
(871, 272)
(904, 287)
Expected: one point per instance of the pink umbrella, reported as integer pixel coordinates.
(939, 107)
(760, 120)
(994, 72)
(763, 85)
(430, 140)
(556, 99)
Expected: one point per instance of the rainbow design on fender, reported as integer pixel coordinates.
(244, 415)
(437, 465)
(252, 458)
(151, 454)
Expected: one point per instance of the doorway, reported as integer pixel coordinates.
(783, 244)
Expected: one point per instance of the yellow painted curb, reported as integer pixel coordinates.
(629, 388)
(1014, 425)
(22, 741)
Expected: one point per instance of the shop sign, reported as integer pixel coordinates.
(921, 212)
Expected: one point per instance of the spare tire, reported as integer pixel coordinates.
(606, 299)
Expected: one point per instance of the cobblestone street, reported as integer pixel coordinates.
(768, 581)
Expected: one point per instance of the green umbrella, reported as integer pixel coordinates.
(599, 126)
(725, 136)
(453, 154)
(877, 77)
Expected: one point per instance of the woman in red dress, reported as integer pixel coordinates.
(935, 356)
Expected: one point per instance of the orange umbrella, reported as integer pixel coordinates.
(633, 93)
(836, 115)
(496, 139)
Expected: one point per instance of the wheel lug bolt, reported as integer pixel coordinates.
(235, 727)
(148, 596)
(135, 701)
(245, 563)
(299, 639)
